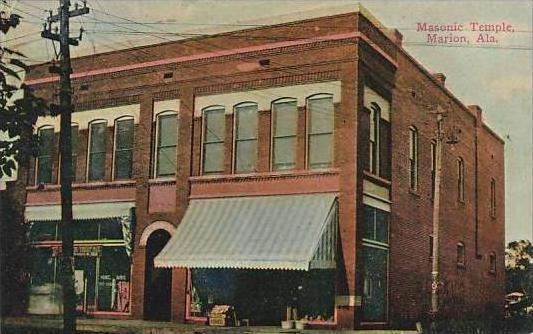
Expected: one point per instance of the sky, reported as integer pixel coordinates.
(496, 76)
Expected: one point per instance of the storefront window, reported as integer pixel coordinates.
(114, 280)
(375, 284)
(43, 267)
(264, 295)
(101, 263)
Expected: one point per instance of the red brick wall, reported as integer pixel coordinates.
(355, 64)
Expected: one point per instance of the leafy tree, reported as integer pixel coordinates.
(17, 115)
(519, 267)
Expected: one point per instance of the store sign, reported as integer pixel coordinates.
(82, 251)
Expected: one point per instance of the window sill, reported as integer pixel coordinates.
(377, 178)
(461, 266)
(83, 185)
(492, 272)
(461, 201)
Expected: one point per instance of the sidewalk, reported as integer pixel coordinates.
(40, 324)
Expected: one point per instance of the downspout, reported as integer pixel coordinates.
(476, 110)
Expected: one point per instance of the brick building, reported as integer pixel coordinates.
(288, 165)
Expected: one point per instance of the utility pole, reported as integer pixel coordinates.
(65, 110)
(436, 218)
(440, 113)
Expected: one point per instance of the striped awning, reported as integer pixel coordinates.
(79, 211)
(293, 232)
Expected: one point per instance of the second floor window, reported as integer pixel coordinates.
(45, 158)
(245, 137)
(284, 130)
(413, 158)
(213, 140)
(320, 131)
(123, 149)
(375, 124)
(167, 138)
(97, 151)
(460, 180)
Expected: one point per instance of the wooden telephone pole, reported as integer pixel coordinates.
(65, 142)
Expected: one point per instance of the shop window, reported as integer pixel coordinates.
(492, 263)
(43, 231)
(413, 158)
(374, 262)
(245, 116)
(97, 151)
(110, 229)
(259, 295)
(167, 139)
(460, 180)
(461, 254)
(284, 130)
(43, 267)
(375, 225)
(123, 157)
(85, 229)
(114, 280)
(213, 140)
(45, 158)
(320, 113)
(493, 198)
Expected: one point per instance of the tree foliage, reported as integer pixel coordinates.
(519, 267)
(17, 115)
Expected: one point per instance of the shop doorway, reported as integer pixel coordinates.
(157, 281)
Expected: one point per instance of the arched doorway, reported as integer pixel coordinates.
(157, 281)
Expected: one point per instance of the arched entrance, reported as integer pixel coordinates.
(157, 281)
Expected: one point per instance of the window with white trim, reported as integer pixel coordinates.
(166, 143)
(245, 156)
(45, 155)
(413, 158)
(373, 147)
(213, 140)
(97, 151)
(123, 155)
(284, 130)
(320, 122)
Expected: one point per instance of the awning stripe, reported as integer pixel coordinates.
(261, 232)
(79, 211)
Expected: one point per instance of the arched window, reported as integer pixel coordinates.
(284, 130)
(45, 156)
(320, 123)
(97, 150)
(461, 255)
(245, 146)
(492, 263)
(413, 158)
(166, 143)
(213, 135)
(460, 179)
(123, 153)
